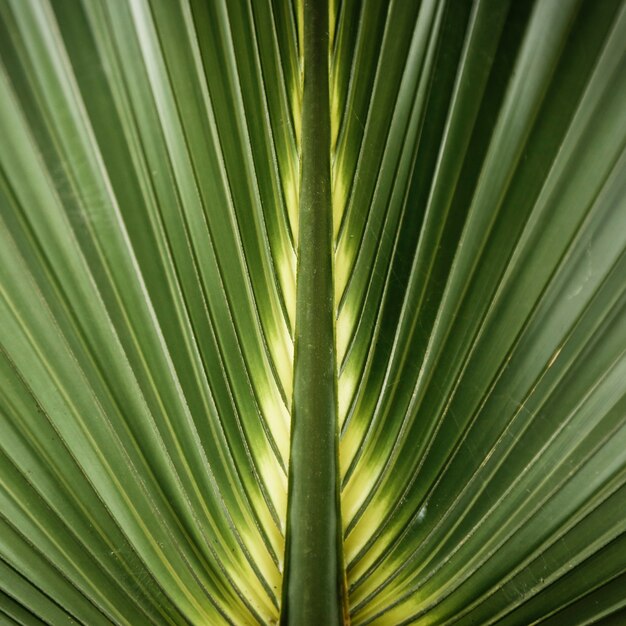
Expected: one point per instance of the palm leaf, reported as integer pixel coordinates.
(312, 313)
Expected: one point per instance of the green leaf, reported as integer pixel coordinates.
(312, 312)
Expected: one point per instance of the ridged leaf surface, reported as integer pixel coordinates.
(392, 241)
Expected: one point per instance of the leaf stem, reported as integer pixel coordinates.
(313, 587)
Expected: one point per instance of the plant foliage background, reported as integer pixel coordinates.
(149, 182)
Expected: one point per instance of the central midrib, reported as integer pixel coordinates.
(313, 584)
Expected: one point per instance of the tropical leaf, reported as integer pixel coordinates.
(312, 313)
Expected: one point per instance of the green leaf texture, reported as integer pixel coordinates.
(439, 223)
